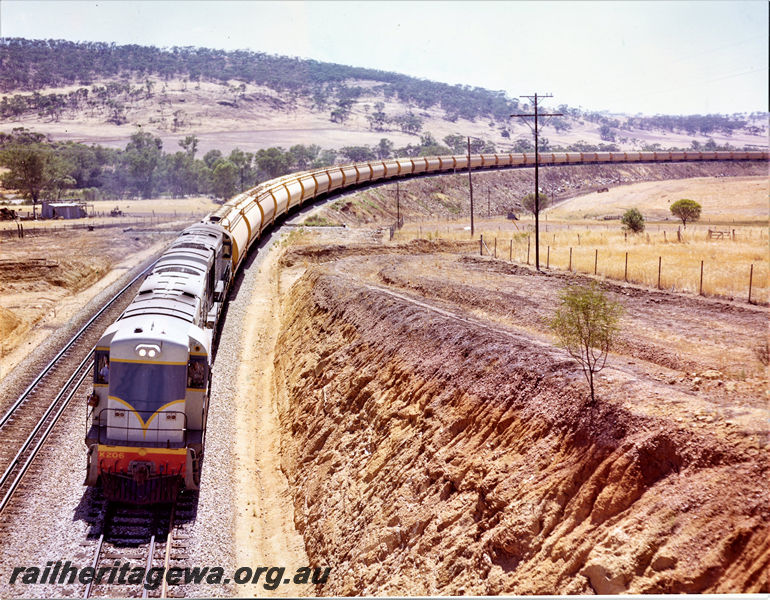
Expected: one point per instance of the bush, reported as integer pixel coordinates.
(528, 202)
(586, 324)
(633, 220)
(686, 210)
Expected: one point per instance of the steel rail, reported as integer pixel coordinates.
(7, 498)
(69, 344)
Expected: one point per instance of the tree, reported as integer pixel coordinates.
(273, 162)
(303, 156)
(456, 143)
(190, 145)
(225, 179)
(686, 210)
(633, 220)
(606, 133)
(384, 149)
(586, 324)
(142, 158)
(357, 153)
(212, 157)
(528, 202)
(242, 160)
(34, 167)
(26, 169)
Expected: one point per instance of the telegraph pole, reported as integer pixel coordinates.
(470, 182)
(534, 99)
(398, 208)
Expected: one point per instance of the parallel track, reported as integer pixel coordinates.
(27, 424)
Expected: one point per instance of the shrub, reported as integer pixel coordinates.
(586, 324)
(633, 220)
(528, 202)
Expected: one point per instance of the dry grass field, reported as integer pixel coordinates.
(736, 205)
(724, 200)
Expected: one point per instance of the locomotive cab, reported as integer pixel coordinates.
(147, 420)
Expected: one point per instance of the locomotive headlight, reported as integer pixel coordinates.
(149, 350)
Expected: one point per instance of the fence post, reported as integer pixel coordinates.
(625, 272)
(570, 259)
(700, 289)
(596, 259)
(510, 252)
(660, 260)
(548, 260)
(528, 243)
(481, 247)
(751, 279)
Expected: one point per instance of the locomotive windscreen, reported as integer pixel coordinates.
(147, 387)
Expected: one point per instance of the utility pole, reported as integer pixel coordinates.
(470, 182)
(398, 208)
(537, 173)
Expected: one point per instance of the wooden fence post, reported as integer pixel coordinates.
(625, 272)
(481, 247)
(548, 260)
(660, 260)
(510, 252)
(596, 259)
(751, 279)
(700, 289)
(528, 242)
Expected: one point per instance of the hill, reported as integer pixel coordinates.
(98, 92)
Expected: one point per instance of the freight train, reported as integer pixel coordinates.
(146, 425)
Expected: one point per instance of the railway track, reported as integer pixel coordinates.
(27, 423)
(137, 539)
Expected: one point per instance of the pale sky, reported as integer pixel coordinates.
(649, 57)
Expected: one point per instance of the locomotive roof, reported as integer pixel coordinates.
(173, 290)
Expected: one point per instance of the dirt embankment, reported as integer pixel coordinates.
(47, 277)
(432, 451)
(498, 192)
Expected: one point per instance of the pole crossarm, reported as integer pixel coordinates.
(541, 115)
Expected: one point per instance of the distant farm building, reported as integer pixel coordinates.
(64, 210)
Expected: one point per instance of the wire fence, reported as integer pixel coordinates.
(705, 277)
(20, 229)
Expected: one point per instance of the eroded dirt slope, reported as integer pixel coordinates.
(436, 443)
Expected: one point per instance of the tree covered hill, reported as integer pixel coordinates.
(103, 72)
(28, 65)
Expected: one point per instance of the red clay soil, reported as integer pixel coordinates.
(431, 448)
